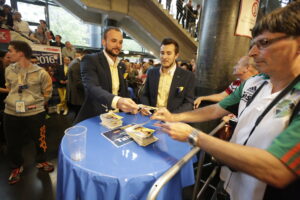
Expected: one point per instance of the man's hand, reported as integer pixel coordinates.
(163, 114)
(127, 105)
(145, 112)
(197, 102)
(176, 130)
(228, 117)
(62, 82)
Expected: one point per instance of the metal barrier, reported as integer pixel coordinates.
(168, 175)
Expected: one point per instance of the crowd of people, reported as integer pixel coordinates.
(187, 14)
(10, 19)
(261, 160)
(64, 82)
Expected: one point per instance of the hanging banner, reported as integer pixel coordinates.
(247, 17)
(4, 36)
(47, 56)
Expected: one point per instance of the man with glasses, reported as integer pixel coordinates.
(263, 156)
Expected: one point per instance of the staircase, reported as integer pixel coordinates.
(144, 20)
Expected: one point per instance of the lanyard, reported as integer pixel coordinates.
(270, 106)
(22, 82)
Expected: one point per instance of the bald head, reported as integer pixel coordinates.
(244, 68)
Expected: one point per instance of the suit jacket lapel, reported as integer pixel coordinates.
(121, 80)
(175, 83)
(105, 65)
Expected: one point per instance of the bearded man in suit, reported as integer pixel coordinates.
(103, 79)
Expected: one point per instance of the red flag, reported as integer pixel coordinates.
(4, 36)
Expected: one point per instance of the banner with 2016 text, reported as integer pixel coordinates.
(47, 56)
(247, 17)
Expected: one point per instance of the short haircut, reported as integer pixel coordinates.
(58, 36)
(6, 6)
(109, 29)
(168, 41)
(282, 20)
(188, 66)
(23, 47)
(17, 13)
(41, 20)
(52, 35)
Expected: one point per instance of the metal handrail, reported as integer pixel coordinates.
(206, 183)
(21, 34)
(161, 181)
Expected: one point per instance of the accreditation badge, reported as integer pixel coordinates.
(20, 106)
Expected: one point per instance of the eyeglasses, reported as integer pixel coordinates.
(264, 43)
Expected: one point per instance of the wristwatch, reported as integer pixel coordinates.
(193, 137)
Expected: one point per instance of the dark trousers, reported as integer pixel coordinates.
(168, 6)
(179, 14)
(20, 129)
(2, 136)
(75, 109)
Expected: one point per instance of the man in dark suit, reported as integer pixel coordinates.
(57, 42)
(169, 86)
(103, 79)
(75, 90)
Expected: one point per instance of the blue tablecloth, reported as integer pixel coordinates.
(125, 173)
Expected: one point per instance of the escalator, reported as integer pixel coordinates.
(144, 20)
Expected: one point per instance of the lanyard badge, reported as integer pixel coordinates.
(20, 106)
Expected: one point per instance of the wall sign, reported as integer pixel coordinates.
(247, 17)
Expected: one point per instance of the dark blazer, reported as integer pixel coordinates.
(179, 100)
(61, 45)
(96, 79)
(9, 18)
(75, 90)
(60, 75)
(2, 85)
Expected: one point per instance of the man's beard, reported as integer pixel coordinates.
(168, 66)
(111, 53)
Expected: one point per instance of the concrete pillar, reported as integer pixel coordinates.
(95, 36)
(219, 49)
